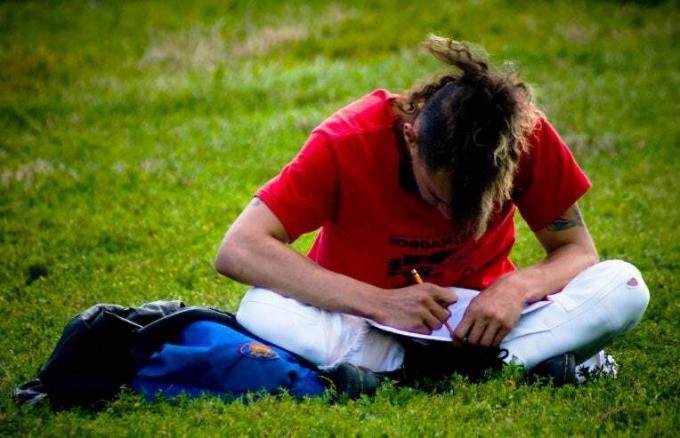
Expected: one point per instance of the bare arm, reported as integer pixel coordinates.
(255, 251)
(569, 250)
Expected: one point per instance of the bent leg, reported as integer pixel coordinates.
(600, 304)
(324, 338)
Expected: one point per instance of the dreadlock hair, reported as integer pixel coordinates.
(473, 123)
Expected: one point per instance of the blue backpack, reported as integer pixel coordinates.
(216, 358)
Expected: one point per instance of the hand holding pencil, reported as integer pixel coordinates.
(418, 308)
(419, 280)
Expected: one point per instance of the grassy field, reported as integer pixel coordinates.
(133, 133)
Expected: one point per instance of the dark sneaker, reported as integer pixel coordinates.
(561, 369)
(352, 381)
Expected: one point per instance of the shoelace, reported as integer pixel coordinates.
(503, 354)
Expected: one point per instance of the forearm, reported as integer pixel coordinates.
(269, 263)
(569, 249)
(550, 275)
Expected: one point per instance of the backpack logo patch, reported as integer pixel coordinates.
(632, 282)
(258, 351)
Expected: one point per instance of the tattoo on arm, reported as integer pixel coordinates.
(570, 219)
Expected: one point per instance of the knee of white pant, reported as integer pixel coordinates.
(285, 323)
(584, 323)
(301, 339)
(632, 295)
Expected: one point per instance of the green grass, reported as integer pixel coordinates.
(133, 133)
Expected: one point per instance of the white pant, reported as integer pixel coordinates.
(601, 303)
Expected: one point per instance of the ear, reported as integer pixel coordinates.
(411, 138)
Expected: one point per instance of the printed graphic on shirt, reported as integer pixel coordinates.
(431, 265)
(421, 243)
(258, 351)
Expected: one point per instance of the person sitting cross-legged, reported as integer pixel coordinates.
(431, 180)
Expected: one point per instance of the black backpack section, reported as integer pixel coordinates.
(101, 349)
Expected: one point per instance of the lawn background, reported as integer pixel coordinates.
(133, 133)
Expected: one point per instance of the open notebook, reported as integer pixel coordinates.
(457, 310)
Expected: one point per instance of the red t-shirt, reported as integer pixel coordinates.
(346, 181)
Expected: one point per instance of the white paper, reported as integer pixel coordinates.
(457, 310)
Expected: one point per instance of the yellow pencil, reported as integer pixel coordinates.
(419, 280)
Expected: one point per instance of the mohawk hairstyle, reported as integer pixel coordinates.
(473, 123)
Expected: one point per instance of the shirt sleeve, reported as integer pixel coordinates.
(549, 179)
(304, 195)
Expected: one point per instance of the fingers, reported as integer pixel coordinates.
(460, 333)
(441, 313)
(500, 335)
(480, 332)
(435, 305)
(444, 296)
(476, 331)
(425, 323)
(432, 322)
(488, 337)
(434, 315)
